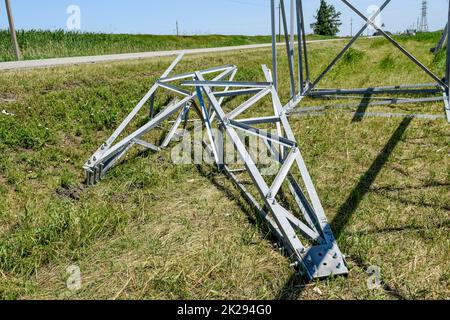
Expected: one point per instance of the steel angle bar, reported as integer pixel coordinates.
(396, 44)
(403, 86)
(175, 126)
(395, 101)
(206, 120)
(305, 206)
(174, 88)
(299, 45)
(147, 145)
(261, 120)
(378, 114)
(303, 36)
(400, 115)
(282, 174)
(297, 224)
(373, 91)
(234, 93)
(362, 98)
(289, 50)
(262, 134)
(352, 41)
(300, 199)
(292, 29)
(269, 78)
(213, 84)
(228, 68)
(247, 104)
(227, 89)
(221, 99)
(174, 64)
(274, 44)
(152, 106)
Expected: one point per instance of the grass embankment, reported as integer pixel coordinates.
(155, 230)
(37, 44)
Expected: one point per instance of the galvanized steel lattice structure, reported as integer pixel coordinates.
(308, 87)
(302, 229)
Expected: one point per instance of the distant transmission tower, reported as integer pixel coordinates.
(423, 26)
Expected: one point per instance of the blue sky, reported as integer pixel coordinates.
(200, 16)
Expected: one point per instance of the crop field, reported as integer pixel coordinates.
(155, 230)
(36, 44)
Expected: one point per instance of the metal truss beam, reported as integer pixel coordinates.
(110, 152)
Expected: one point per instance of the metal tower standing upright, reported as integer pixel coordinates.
(423, 27)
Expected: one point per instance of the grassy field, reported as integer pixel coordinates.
(37, 44)
(153, 230)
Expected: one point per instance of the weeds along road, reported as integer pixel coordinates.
(44, 63)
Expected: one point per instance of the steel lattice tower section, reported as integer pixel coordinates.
(308, 87)
(423, 27)
(287, 202)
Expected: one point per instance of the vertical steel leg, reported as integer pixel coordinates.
(300, 51)
(274, 45)
(288, 49)
(305, 48)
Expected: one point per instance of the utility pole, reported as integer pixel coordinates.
(12, 31)
(178, 30)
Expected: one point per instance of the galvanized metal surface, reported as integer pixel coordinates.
(307, 238)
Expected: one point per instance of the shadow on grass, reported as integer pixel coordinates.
(362, 108)
(295, 285)
(410, 228)
(232, 194)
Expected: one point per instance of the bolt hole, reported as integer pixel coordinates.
(325, 264)
(320, 254)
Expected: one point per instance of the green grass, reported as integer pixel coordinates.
(39, 44)
(153, 230)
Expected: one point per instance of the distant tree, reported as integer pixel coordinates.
(327, 20)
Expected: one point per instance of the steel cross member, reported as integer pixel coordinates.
(306, 88)
(396, 44)
(347, 47)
